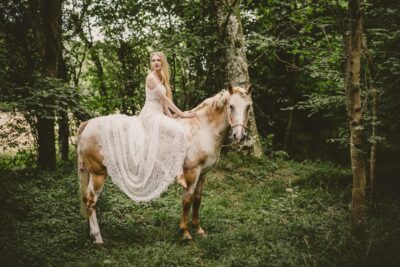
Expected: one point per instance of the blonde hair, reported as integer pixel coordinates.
(165, 76)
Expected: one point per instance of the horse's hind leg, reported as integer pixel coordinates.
(196, 207)
(92, 194)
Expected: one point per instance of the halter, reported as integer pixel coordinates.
(236, 124)
(233, 125)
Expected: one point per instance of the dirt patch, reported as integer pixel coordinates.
(15, 133)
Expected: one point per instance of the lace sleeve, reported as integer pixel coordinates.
(158, 90)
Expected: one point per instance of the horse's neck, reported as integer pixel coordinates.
(217, 121)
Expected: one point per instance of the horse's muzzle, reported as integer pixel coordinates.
(239, 133)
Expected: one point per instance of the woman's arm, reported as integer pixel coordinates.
(153, 84)
(170, 105)
(167, 111)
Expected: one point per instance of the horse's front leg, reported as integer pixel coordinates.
(191, 176)
(196, 207)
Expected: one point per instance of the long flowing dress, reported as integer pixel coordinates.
(143, 154)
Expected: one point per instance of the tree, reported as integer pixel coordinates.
(233, 59)
(353, 104)
(374, 134)
(46, 27)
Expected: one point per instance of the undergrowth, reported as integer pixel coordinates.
(256, 212)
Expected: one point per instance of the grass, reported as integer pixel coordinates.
(256, 213)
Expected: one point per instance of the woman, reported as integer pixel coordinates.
(142, 154)
(157, 111)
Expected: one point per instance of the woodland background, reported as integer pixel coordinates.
(63, 62)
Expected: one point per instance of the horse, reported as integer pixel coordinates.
(205, 135)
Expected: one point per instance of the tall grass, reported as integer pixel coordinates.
(256, 213)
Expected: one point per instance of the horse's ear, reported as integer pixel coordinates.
(230, 88)
(249, 89)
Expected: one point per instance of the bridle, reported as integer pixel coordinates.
(236, 124)
(233, 125)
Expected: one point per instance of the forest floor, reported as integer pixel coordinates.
(256, 213)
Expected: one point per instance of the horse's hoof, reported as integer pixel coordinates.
(98, 244)
(201, 232)
(98, 241)
(187, 236)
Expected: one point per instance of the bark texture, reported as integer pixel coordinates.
(63, 135)
(46, 27)
(288, 131)
(374, 95)
(353, 103)
(234, 62)
(63, 121)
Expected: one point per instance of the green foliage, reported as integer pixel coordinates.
(273, 213)
(294, 50)
(295, 57)
(127, 33)
(22, 159)
(46, 98)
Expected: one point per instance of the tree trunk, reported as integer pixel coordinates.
(63, 135)
(374, 95)
(46, 26)
(234, 60)
(46, 144)
(54, 64)
(353, 101)
(288, 131)
(63, 122)
(374, 145)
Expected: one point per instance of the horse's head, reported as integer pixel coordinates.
(238, 110)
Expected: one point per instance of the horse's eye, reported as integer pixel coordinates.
(231, 107)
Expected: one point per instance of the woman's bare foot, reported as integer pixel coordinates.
(182, 181)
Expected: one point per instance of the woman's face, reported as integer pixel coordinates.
(156, 63)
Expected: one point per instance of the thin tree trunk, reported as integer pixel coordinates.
(374, 95)
(123, 92)
(63, 136)
(288, 131)
(186, 93)
(234, 60)
(46, 143)
(353, 99)
(94, 56)
(173, 61)
(372, 170)
(63, 122)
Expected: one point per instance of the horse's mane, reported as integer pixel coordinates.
(216, 101)
(219, 100)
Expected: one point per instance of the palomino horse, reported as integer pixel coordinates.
(205, 134)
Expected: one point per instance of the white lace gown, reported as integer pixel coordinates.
(143, 154)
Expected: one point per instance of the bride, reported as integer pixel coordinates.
(158, 104)
(143, 154)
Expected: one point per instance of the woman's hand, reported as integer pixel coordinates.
(188, 114)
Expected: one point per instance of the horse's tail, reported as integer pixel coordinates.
(83, 173)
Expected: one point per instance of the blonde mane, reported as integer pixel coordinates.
(216, 101)
(219, 100)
